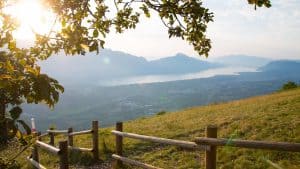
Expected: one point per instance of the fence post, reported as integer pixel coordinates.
(119, 145)
(51, 137)
(70, 137)
(35, 153)
(38, 136)
(211, 155)
(95, 140)
(63, 155)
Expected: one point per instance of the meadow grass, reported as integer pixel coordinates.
(274, 117)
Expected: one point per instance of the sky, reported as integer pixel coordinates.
(237, 29)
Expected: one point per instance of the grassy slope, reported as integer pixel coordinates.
(274, 117)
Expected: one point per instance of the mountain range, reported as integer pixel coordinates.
(114, 64)
(242, 60)
(109, 65)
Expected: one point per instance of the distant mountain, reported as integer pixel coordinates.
(114, 64)
(291, 66)
(242, 61)
(179, 64)
(285, 70)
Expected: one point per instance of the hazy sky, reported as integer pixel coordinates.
(237, 29)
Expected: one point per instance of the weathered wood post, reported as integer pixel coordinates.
(119, 145)
(35, 155)
(35, 152)
(70, 137)
(63, 155)
(211, 155)
(3, 123)
(95, 133)
(39, 136)
(51, 135)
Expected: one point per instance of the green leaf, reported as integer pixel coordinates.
(95, 33)
(63, 23)
(12, 45)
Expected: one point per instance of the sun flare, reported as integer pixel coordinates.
(33, 17)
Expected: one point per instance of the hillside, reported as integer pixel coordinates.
(274, 117)
(283, 66)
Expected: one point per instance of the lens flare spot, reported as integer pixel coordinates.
(106, 60)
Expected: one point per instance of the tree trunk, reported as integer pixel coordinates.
(3, 125)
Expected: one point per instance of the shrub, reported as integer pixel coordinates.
(161, 113)
(289, 85)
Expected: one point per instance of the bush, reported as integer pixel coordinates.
(289, 85)
(161, 113)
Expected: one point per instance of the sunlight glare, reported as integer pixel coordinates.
(32, 17)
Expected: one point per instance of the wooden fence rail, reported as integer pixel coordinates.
(133, 162)
(80, 149)
(119, 146)
(57, 131)
(279, 146)
(212, 140)
(35, 164)
(63, 146)
(209, 144)
(62, 153)
(179, 143)
(80, 132)
(47, 147)
(70, 134)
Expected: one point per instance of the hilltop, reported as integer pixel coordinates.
(273, 117)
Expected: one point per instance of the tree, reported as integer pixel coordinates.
(289, 85)
(84, 26)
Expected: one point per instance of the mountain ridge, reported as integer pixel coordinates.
(115, 64)
(242, 60)
(283, 65)
(111, 65)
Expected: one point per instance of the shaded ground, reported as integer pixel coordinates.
(103, 165)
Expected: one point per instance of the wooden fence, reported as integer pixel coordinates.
(208, 144)
(62, 151)
(70, 134)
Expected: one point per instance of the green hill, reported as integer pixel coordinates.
(274, 117)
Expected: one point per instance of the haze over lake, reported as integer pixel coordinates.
(168, 78)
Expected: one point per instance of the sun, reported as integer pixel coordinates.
(33, 17)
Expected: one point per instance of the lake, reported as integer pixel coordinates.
(167, 78)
